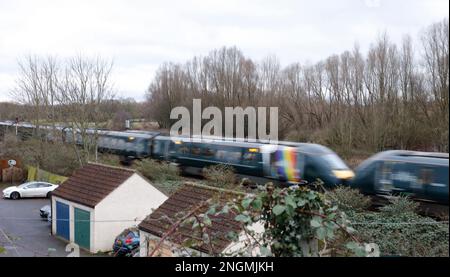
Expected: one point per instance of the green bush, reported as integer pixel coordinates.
(400, 205)
(396, 228)
(56, 157)
(157, 171)
(166, 177)
(402, 235)
(348, 199)
(109, 159)
(220, 175)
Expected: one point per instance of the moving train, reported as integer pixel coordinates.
(284, 162)
(420, 175)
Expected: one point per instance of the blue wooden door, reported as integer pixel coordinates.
(62, 220)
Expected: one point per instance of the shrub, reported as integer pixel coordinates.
(166, 176)
(56, 157)
(157, 171)
(403, 235)
(348, 199)
(400, 205)
(220, 175)
(109, 159)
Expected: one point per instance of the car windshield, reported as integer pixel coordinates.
(24, 185)
(335, 161)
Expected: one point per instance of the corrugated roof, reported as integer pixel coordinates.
(184, 201)
(90, 184)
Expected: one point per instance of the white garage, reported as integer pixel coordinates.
(98, 202)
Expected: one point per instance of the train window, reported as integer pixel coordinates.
(140, 147)
(250, 157)
(228, 156)
(196, 150)
(209, 152)
(335, 162)
(426, 176)
(183, 149)
(157, 146)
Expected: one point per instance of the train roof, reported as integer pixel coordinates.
(311, 148)
(413, 156)
(301, 147)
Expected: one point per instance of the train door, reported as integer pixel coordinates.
(301, 164)
(251, 161)
(283, 164)
(434, 183)
(384, 177)
(403, 178)
(266, 151)
(159, 149)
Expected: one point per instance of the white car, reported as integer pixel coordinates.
(30, 189)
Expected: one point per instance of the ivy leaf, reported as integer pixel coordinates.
(350, 229)
(242, 218)
(330, 233)
(332, 209)
(265, 251)
(246, 202)
(321, 233)
(232, 235)
(356, 248)
(311, 195)
(225, 209)
(278, 209)
(290, 201)
(301, 202)
(290, 210)
(195, 224)
(211, 210)
(257, 204)
(207, 220)
(316, 222)
(352, 245)
(331, 216)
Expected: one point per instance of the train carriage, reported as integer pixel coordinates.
(284, 162)
(420, 175)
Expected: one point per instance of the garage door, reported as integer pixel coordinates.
(62, 220)
(82, 228)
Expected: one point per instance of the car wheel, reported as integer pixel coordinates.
(15, 195)
(49, 194)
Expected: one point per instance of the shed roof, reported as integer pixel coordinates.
(92, 183)
(181, 203)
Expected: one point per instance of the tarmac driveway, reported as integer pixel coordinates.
(24, 234)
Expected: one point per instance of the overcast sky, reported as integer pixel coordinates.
(139, 35)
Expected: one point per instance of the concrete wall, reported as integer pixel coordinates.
(125, 207)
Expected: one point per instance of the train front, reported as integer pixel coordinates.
(324, 164)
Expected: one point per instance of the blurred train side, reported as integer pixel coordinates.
(421, 175)
(286, 162)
